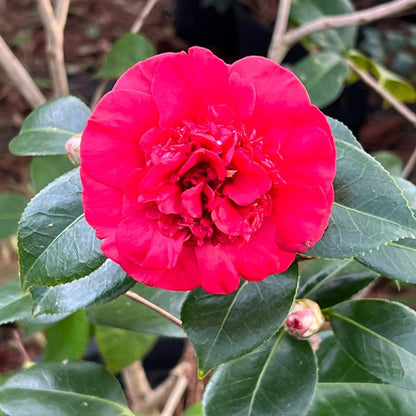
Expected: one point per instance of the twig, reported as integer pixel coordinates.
(282, 20)
(336, 22)
(178, 390)
(20, 346)
(409, 165)
(99, 92)
(61, 12)
(144, 12)
(137, 386)
(20, 77)
(370, 81)
(156, 308)
(55, 43)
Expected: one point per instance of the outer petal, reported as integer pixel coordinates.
(109, 146)
(300, 214)
(217, 269)
(140, 241)
(183, 82)
(280, 97)
(260, 257)
(308, 154)
(140, 76)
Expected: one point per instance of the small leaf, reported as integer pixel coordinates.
(125, 313)
(353, 399)
(336, 366)
(11, 208)
(119, 348)
(68, 339)
(323, 75)
(46, 130)
(104, 284)
(194, 410)
(126, 51)
(56, 245)
(44, 169)
(367, 213)
(63, 389)
(329, 282)
(222, 328)
(14, 304)
(380, 336)
(277, 379)
(303, 11)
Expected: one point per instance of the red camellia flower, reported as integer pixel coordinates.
(197, 173)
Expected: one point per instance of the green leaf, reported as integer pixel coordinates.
(31, 324)
(380, 336)
(11, 208)
(277, 379)
(341, 132)
(63, 389)
(68, 339)
(336, 366)
(46, 130)
(329, 282)
(396, 260)
(104, 284)
(119, 348)
(56, 245)
(353, 399)
(409, 191)
(125, 313)
(222, 328)
(369, 208)
(323, 75)
(194, 410)
(44, 169)
(14, 304)
(303, 11)
(390, 161)
(126, 51)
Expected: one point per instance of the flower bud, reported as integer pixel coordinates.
(72, 147)
(304, 319)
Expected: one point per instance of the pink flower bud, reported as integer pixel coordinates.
(72, 147)
(304, 319)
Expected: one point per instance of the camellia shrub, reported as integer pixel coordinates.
(214, 203)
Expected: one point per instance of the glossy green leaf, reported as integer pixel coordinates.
(369, 208)
(63, 389)
(303, 11)
(277, 379)
(341, 132)
(323, 75)
(119, 348)
(409, 190)
(336, 366)
(222, 328)
(194, 410)
(11, 208)
(356, 399)
(396, 260)
(68, 339)
(329, 282)
(14, 304)
(32, 324)
(126, 51)
(104, 284)
(44, 169)
(390, 161)
(125, 313)
(46, 130)
(56, 245)
(380, 336)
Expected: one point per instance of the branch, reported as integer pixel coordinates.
(156, 308)
(336, 22)
(54, 27)
(282, 20)
(178, 390)
(144, 12)
(20, 77)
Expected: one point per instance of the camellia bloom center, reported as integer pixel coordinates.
(199, 173)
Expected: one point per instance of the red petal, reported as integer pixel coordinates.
(301, 214)
(109, 146)
(250, 181)
(218, 272)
